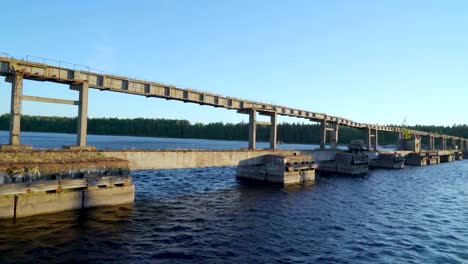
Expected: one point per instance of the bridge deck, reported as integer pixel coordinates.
(115, 83)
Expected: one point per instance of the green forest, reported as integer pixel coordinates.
(287, 132)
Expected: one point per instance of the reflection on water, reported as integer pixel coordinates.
(63, 236)
(415, 215)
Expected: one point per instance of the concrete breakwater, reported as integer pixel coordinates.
(46, 181)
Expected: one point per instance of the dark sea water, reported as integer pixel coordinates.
(415, 215)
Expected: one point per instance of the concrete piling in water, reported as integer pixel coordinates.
(281, 169)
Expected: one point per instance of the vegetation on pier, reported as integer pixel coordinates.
(287, 132)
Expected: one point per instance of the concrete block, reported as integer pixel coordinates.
(43, 203)
(108, 196)
(7, 206)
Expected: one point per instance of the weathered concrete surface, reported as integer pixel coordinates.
(7, 206)
(278, 169)
(96, 196)
(44, 203)
(155, 159)
(416, 159)
(388, 161)
(178, 159)
(44, 197)
(346, 163)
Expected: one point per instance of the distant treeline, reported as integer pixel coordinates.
(287, 132)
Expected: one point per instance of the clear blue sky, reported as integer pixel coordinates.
(370, 61)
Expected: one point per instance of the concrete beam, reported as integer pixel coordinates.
(50, 100)
(263, 123)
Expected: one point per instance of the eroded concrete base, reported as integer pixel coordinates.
(388, 161)
(97, 196)
(278, 169)
(346, 163)
(24, 205)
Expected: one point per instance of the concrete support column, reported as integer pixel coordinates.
(323, 134)
(252, 129)
(444, 143)
(82, 132)
(368, 138)
(400, 141)
(431, 143)
(334, 136)
(273, 131)
(15, 110)
(376, 139)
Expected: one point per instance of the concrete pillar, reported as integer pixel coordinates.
(82, 132)
(273, 131)
(400, 141)
(368, 138)
(431, 143)
(444, 143)
(15, 110)
(323, 134)
(334, 136)
(252, 129)
(376, 139)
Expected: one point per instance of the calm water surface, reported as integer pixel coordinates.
(416, 215)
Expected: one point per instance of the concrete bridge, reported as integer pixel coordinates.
(81, 78)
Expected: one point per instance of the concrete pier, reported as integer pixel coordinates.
(353, 162)
(291, 169)
(392, 160)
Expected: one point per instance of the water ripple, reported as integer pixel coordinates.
(416, 215)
